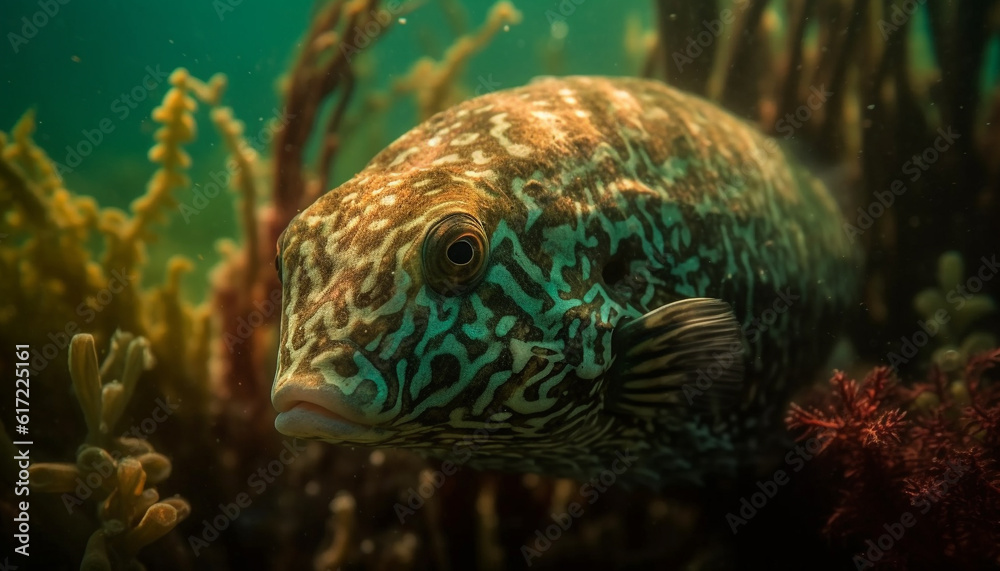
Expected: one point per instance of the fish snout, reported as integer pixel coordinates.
(323, 403)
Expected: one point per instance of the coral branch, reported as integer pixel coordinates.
(130, 514)
(433, 82)
(939, 458)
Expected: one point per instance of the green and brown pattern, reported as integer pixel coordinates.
(473, 276)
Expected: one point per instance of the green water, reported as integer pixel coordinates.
(107, 62)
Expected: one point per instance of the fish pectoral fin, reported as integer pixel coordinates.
(684, 355)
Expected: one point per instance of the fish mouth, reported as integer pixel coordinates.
(314, 414)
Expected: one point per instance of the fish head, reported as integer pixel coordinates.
(416, 312)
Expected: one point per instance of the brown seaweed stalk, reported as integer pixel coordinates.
(679, 21)
(322, 71)
(881, 113)
(434, 82)
(802, 10)
(833, 116)
(738, 84)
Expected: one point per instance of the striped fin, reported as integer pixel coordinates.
(684, 355)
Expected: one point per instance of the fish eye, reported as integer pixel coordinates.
(455, 254)
(461, 252)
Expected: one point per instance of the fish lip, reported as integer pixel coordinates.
(291, 395)
(314, 414)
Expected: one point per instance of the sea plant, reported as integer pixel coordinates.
(956, 306)
(920, 463)
(114, 474)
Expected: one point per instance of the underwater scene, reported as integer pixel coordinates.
(500, 284)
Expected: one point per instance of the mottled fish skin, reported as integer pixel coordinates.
(576, 181)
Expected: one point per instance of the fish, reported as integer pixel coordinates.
(560, 278)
